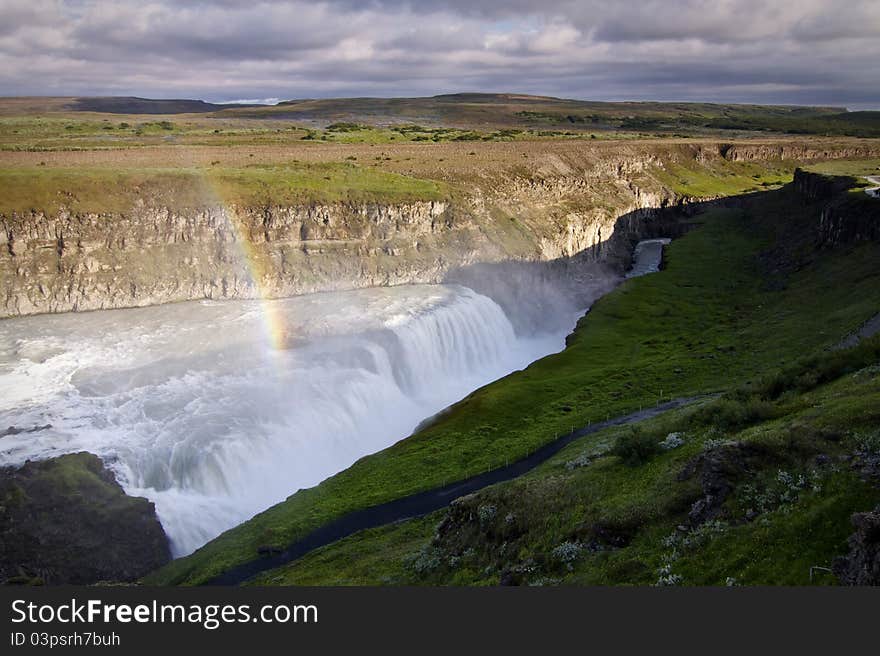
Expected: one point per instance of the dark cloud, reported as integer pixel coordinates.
(725, 50)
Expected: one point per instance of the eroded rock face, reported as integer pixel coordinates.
(842, 219)
(72, 262)
(797, 151)
(861, 566)
(589, 207)
(67, 520)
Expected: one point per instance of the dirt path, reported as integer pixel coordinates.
(874, 192)
(868, 329)
(426, 502)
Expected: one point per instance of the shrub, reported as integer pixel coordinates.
(728, 414)
(868, 444)
(816, 370)
(583, 460)
(486, 513)
(567, 552)
(635, 447)
(783, 490)
(426, 560)
(672, 441)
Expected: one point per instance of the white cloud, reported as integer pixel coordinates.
(252, 101)
(749, 50)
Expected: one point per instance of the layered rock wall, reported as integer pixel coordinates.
(585, 207)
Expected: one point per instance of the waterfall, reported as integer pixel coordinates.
(192, 407)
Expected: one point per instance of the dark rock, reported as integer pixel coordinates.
(719, 469)
(815, 186)
(602, 535)
(510, 578)
(266, 551)
(861, 566)
(67, 520)
(15, 430)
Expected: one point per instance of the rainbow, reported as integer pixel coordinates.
(273, 321)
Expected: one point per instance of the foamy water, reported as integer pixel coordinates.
(192, 407)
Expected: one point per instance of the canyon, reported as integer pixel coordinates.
(493, 253)
(583, 206)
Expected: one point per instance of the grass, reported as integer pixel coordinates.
(283, 185)
(71, 131)
(851, 167)
(469, 111)
(708, 322)
(86, 131)
(723, 177)
(104, 190)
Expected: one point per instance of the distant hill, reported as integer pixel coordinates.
(507, 110)
(134, 105)
(493, 111)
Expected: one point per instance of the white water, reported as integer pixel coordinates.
(647, 257)
(192, 408)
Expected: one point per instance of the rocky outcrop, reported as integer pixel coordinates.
(718, 470)
(799, 151)
(67, 520)
(861, 566)
(849, 219)
(815, 186)
(843, 217)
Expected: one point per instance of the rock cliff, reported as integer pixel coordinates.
(70, 262)
(844, 216)
(153, 253)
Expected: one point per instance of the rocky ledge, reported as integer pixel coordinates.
(67, 520)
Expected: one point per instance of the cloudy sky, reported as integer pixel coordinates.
(773, 51)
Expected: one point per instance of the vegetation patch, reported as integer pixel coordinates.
(104, 190)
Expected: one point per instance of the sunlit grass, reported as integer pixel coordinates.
(105, 190)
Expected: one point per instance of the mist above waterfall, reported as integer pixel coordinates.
(538, 296)
(193, 406)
